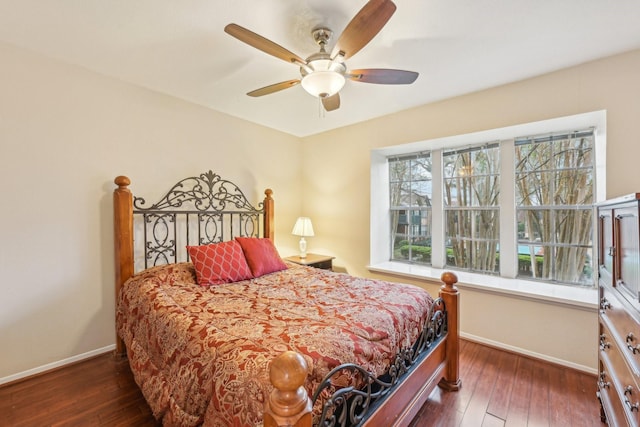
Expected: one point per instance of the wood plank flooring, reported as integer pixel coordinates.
(498, 389)
(504, 389)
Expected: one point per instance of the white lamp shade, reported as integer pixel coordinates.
(303, 227)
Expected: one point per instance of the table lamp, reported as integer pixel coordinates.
(303, 228)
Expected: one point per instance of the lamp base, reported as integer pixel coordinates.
(303, 248)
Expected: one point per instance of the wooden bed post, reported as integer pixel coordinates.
(449, 293)
(289, 404)
(123, 239)
(269, 228)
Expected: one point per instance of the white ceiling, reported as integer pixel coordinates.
(178, 47)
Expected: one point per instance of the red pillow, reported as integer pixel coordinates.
(219, 263)
(262, 256)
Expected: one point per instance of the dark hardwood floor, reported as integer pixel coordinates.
(504, 389)
(498, 389)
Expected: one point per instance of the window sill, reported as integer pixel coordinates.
(574, 296)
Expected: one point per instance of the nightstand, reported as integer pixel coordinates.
(313, 260)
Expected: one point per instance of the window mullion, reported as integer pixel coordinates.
(508, 222)
(437, 237)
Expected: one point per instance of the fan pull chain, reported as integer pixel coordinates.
(321, 110)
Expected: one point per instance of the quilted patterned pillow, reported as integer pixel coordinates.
(219, 263)
(262, 256)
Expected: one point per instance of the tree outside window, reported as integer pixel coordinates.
(554, 206)
(471, 208)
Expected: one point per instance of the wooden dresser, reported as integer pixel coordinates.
(619, 318)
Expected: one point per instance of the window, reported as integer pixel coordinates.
(471, 208)
(513, 202)
(554, 200)
(410, 207)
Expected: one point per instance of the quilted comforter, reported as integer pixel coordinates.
(201, 354)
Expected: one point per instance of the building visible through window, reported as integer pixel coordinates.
(410, 200)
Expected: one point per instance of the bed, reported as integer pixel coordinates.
(220, 331)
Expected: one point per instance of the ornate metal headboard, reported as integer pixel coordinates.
(196, 210)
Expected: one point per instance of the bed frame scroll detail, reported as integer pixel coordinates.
(393, 401)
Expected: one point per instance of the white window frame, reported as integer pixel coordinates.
(507, 282)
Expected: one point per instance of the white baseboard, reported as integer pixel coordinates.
(58, 364)
(528, 353)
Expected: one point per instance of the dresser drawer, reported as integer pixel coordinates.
(617, 377)
(613, 408)
(624, 328)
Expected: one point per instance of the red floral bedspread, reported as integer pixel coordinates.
(201, 355)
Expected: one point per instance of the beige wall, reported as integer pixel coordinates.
(336, 180)
(65, 133)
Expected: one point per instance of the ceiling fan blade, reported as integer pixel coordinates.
(363, 27)
(332, 102)
(383, 76)
(273, 88)
(263, 44)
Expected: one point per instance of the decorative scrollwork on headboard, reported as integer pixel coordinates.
(215, 206)
(207, 192)
(197, 210)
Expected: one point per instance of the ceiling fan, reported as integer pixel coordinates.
(322, 74)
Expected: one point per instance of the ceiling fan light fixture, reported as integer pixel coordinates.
(323, 83)
(323, 75)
